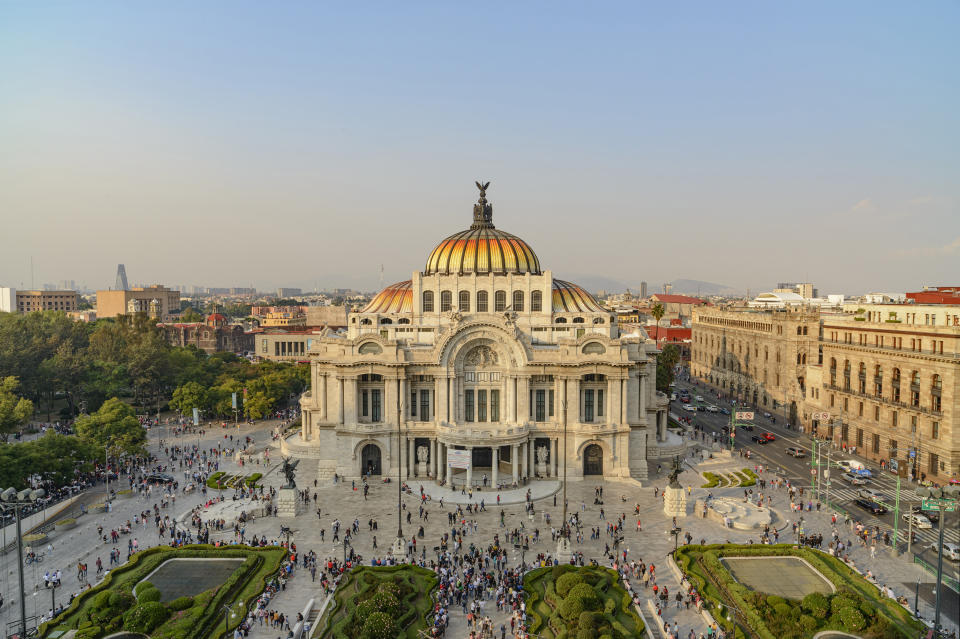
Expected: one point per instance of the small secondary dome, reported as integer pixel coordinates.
(482, 248)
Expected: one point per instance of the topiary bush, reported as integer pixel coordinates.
(379, 625)
(148, 594)
(586, 594)
(816, 604)
(181, 603)
(567, 581)
(120, 600)
(145, 617)
(571, 608)
(852, 619)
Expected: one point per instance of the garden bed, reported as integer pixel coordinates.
(390, 602)
(569, 601)
(855, 605)
(112, 606)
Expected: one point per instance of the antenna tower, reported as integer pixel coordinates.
(121, 283)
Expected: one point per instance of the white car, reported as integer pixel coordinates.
(850, 464)
(951, 551)
(712, 409)
(699, 398)
(856, 480)
(673, 397)
(918, 520)
(872, 495)
(690, 408)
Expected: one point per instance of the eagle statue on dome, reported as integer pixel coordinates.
(482, 210)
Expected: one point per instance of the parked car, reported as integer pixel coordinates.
(795, 451)
(951, 551)
(854, 479)
(768, 436)
(759, 439)
(920, 521)
(871, 506)
(871, 494)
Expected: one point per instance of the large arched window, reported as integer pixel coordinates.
(518, 301)
(446, 301)
(536, 301)
(428, 301)
(500, 301)
(464, 301)
(481, 301)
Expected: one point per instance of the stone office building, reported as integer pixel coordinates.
(481, 364)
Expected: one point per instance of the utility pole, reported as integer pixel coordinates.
(944, 500)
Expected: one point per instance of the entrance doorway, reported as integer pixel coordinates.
(593, 460)
(482, 457)
(370, 459)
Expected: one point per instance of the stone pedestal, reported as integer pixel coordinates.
(288, 503)
(398, 550)
(563, 550)
(421, 469)
(542, 469)
(675, 502)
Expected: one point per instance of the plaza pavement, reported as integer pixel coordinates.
(340, 501)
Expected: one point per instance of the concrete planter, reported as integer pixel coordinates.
(66, 524)
(98, 508)
(35, 539)
(124, 494)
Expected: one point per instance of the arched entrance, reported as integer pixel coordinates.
(370, 460)
(593, 460)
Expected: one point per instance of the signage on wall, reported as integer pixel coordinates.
(458, 458)
(821, 417)
(744, 415)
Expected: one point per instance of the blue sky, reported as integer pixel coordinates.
(237, 143)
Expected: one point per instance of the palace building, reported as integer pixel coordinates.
(482, 365)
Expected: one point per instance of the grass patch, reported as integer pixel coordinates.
(569, 601)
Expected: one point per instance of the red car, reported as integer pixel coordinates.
(769, 437)
(685, 400)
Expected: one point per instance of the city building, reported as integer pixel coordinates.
(289, 292)
(676, 306)
(14, 301)
(803, 289)
(283, 345)
(643, 290)
(891, 388)
(757, 356)
(157, 301)
(214, 335)
(488, 366)
(911, 314)
(283, 319)
(936, 295)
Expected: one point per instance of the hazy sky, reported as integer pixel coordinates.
(237, 143)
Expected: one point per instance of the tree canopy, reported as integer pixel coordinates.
(666, 360)
(115, 427)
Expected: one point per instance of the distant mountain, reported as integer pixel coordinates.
(697, 287)
(594, 283)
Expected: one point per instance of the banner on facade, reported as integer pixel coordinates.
(458, 458)
(744, 415)
(196, 417)
(234, 398)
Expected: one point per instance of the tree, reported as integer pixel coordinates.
(114, 426)
(189, 396)
(15, 411)
(666, 360)
(190, 315)
(657, 312)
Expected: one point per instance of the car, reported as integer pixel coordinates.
(768, 436)
(951, 551)
(690, 408)
(725, 411)
(871, 494)
(160, 478)
(918, 520)
(794, 451)
(850, 464)
(712, 409)
(854, 479)
(685, 399)
(746, 426)
(870, 505)
(673, 397)
(932, 515)
(699, 398)
(759, 439)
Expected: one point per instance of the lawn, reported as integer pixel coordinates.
(113, 606)
(387, 602)
(570, 602)
(753, 600)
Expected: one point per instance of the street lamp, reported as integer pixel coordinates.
(11, 499)
(228, 614)
(941, 499)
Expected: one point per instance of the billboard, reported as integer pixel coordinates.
(746, 415)
(458, 458)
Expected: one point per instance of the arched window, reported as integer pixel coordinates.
(536, 301)
(403, 320)
(578, 320)
(386, 320)
(500, 301)
(464, 301)
(598, 320)
(446, 301)
(518, 301)
(561, 320)
(428, 301)
(798, 330)
(481, 301)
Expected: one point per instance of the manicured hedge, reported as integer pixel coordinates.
(855, 607)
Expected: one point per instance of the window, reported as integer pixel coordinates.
(895, 384)
(913, 423)
(425, 405)
(446, 301)
(550, 402)
(936, 389)
(578, 320)
(481, 405)
(876, 443)
(413, 403)
(468, 405)
(499, 301)
(861, 409)
(481, 301)
(935, 430)
(428, 301)
(599, 403)
(518, 301)
(876, 413)
(541, 405)
(894, 419)
(495, 405)
(536, 301)
(375, 405)
(464, 301)
(588, 405)
(364, 404)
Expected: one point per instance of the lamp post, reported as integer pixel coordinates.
(228, 613)
(941, 499)
(11, 499)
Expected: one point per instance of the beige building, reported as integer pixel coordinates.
(283, 345)
(757, 356)
(29, 301)
(283, 319)
(489, 366)
(157, 301)
(892, 387)
(912, 314)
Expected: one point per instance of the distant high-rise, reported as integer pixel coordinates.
(121, 284)
(643, 289)
(667, 288)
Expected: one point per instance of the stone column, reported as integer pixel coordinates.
(496, 466)
(404, 399)
(523, 459)
(511, 404)
(523, 399)
(643, 396)
(411, 457)
(470, 467)
(514, 453)
(323, 397)
(441, 463)
(433, 456)
(354, 401)
(553, 457)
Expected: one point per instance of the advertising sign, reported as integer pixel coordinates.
(458, 459)
(234, 398)
(196, 417)
(744, 415)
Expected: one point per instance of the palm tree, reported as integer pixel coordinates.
(657, 312)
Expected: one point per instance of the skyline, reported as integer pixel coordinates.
(306, 145)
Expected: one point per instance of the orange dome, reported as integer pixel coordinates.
(570, 298)
(396, 298)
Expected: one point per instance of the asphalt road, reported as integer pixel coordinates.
(773, 456)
